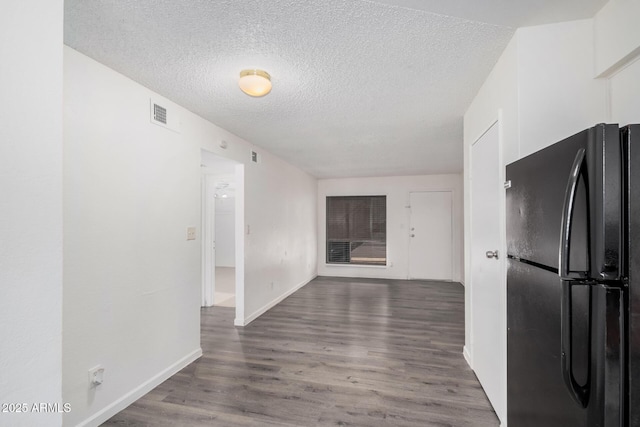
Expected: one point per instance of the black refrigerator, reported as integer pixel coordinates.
(573, 282)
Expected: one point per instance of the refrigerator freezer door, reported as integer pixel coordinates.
(537, 198)
(536, 393)
(605, 169)
(535, 203)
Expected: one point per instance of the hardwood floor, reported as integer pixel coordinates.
(341, 352)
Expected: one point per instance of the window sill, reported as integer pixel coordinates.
(355, 265)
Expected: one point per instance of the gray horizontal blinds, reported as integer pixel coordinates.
(357, 229)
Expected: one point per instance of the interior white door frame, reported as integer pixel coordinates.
(208, 239)
(239, 238)
(502, 250)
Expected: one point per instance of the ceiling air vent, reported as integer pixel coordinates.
(159, 114)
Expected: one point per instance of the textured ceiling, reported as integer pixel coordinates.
(360, 88)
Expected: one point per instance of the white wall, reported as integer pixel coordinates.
(225, 232)
(497, 96)
(132, 281)
(625, 94)
(31, 208)
(617, 38)
(617, 41)
(280, 247)
(397, 191)
(557, 93)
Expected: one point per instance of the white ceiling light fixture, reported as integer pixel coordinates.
(255, 82)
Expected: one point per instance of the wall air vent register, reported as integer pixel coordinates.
(159, 114)
(165, 115)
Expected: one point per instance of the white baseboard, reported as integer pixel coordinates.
(259, 312)
(334, 270)
(467, 356)
(144, 388)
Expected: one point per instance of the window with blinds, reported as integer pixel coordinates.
(357, 230)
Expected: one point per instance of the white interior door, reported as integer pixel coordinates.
(430, 235)
(488, 313)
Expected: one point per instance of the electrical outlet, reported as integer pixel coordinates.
(191, 233)
(96, 375)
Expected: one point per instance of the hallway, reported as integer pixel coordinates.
(365, 352)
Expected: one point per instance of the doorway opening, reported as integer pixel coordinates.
(222, 216)
(224, 294)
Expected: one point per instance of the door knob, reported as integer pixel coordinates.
(492, 254)
(413, 235)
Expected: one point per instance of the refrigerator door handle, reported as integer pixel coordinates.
(567, 215)
(580, 393)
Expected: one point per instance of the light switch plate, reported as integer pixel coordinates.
(191, 233)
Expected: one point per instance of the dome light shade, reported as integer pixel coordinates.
(255, 82)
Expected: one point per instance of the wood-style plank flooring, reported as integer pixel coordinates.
(339, 352)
